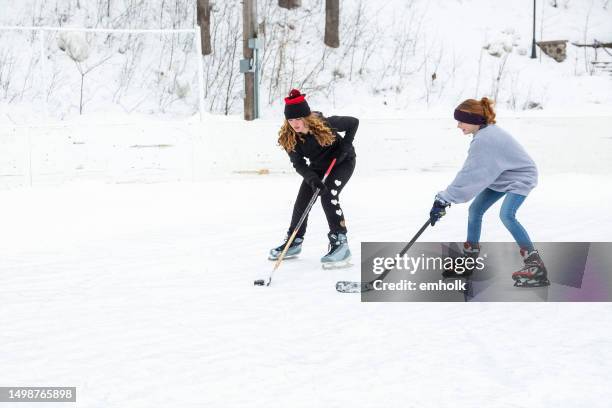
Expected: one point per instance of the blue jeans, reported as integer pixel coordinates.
(511, 203)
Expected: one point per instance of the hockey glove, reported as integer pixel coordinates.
(314, 182)
(438, 210)
(345, 150)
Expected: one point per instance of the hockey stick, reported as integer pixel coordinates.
(359, 287)
(297, 228)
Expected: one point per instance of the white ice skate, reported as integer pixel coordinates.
(339, 254)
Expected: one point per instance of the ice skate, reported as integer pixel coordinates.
(533, 274)
(294, 249)
(470, 251)
(339, 254)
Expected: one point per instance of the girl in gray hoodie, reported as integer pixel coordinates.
(497, 166)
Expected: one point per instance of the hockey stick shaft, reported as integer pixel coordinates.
(299, 224)
(403, 251)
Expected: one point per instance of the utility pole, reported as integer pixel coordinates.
(249, 65)
(533, 41)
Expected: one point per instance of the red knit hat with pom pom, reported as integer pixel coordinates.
(296, 105)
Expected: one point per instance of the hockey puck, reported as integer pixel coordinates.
(259, 282)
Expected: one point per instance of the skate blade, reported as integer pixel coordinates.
(520, 284)
(336, 265)
(271, 258)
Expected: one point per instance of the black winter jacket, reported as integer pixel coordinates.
(321, 156)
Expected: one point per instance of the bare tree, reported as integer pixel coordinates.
(84, 71)
(289, 4)
(7, 65)
(500, 76)
(204, 23)
(332, 22)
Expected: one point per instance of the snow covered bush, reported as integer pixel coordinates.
(74, 44)
(505, 42)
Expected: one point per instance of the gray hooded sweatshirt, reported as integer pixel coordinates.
(496, 161)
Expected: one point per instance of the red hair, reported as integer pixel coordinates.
(483, 107)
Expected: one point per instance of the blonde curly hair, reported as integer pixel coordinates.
(287, 137)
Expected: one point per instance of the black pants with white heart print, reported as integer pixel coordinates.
(330, 199)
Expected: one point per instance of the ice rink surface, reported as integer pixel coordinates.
(128, 271)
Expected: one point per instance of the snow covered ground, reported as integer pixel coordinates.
(394, 55)
(127, 270)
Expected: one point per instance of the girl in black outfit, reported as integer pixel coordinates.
(309, 135)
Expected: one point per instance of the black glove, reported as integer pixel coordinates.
(345, 150)
(314, 182)
(438, 210)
